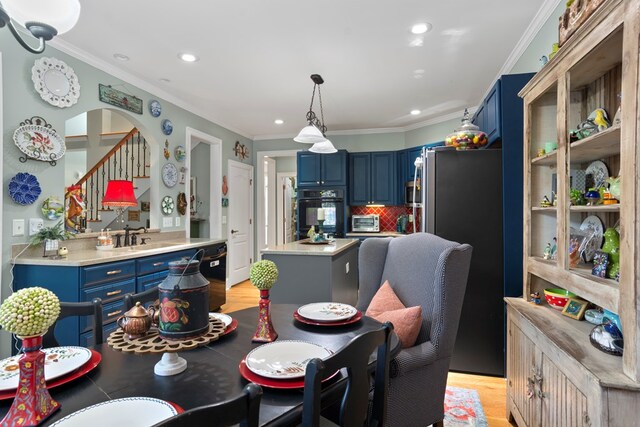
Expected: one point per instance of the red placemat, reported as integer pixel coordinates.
(249, 375)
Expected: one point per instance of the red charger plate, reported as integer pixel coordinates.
(177, 407)
(232, 327)
(87, 367)
(304, 320)
(249, 375)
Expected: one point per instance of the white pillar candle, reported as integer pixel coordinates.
(321, 213)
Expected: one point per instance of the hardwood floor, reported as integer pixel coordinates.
(492, 390)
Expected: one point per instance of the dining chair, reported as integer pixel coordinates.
(150, 295)
(427, 271)
(68, 309)
(355, 408)
(243, 409)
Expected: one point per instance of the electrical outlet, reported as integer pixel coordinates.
(224, 219)
(18, 227)
(346, 268)
(177, 221)
(35, 225)
(167, 221)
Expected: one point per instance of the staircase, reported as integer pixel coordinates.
(128, 160)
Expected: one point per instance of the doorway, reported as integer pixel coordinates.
(240, 228)
(286, 207)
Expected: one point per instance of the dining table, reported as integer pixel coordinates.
(212, 373)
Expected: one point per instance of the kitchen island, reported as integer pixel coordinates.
(315, 272)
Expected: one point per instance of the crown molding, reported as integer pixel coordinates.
(440, 119)
(126, 76)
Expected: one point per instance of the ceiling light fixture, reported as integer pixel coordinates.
(188, 57)
(278, 121)
(314, 132)
(121, 57)
(44, 19)
(415, 112)
(421, 28)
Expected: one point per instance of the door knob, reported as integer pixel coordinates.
(234, 231)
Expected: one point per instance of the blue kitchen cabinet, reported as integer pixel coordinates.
(108, 281)
(317, 170)
(401, 173)
(372, 178)
(478, 117)
(492, 113)
(412, 155)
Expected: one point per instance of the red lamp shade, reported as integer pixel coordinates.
(119, 194)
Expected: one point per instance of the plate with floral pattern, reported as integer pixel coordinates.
(24, 188)
(56, 82)
(284, 359)
(39, 142)
(155, 109)
(58, 361)
(327, 311)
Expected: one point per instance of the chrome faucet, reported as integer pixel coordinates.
(127, 234)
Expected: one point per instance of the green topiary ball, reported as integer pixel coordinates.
(29, 312)
(263, 274)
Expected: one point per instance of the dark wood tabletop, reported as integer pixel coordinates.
(212, 372)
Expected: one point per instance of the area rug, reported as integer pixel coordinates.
(462, 407)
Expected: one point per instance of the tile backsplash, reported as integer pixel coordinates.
(388, 215)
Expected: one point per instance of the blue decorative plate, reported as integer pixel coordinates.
(24, 188)
(167, 127)
(155, 108)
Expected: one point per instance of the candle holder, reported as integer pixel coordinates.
(320, 222)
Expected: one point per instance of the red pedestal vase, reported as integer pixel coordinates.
(32, 404)
(264, 331)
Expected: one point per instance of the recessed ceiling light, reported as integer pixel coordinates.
(421, 28)
(165, 80)
(278, 121)
(415, 112)
(121, 57)
(416, 42)
(188, 57)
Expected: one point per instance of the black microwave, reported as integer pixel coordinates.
(412, 193)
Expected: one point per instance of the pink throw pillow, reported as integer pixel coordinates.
(385, 306)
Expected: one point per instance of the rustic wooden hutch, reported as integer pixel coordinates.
(555, 377)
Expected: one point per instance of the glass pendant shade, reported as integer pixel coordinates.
(60, 14)
(119, 194)
(325, 147)
(310, 135)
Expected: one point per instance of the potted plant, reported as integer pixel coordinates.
(49, 237)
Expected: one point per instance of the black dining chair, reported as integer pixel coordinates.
(243, 409)
(355, 409)
(144, 297)
(68, 309)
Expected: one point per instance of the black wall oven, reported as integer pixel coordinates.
(331, 201)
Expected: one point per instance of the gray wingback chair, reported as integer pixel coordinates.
(426, 270)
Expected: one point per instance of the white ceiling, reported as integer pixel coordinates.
(256, 56)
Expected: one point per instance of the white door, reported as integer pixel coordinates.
(240, 227)
(286, 207)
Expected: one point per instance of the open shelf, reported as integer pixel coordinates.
(541, 209)
(598, 146)
(596, 209)
(602, 292)
(598, 61)
(549, 159)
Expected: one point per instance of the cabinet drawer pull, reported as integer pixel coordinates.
(112, 272)
(113, 313)
(158, 264)
(112, 293)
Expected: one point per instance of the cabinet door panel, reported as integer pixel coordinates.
(563, 405)
(383, 178)
(308, 169)
(401, 175)
(523, 361)
(492, 113)
(334, 169)
(359, 179)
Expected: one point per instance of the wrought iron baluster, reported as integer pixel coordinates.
(144, 156)
(126, 159)
(120, 169)
(104, 188)
(90, 197)
(98, 196)
(138, 141)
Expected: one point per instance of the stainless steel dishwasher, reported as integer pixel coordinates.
(214, 268)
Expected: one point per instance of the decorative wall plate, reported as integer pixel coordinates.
(167, 127)
(56, 82)
(167, 205)
(180, 152)
(599, 173)
(38, 140)
(170, 175)
(24, 188)
(155, 109)
(52, 208)
(182, 203)
(592, 223)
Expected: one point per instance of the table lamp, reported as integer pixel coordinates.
(119, 195)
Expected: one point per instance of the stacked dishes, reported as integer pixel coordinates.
(230, 324)
(327, 314)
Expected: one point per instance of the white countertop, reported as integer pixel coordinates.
(83, 257)
(372, 234)
(303, 247)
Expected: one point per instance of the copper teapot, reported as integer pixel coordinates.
(136, 322)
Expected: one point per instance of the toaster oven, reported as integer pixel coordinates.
(365, 223)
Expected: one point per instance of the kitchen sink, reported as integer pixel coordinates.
(150, 246)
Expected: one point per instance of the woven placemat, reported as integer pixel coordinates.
(153, 343)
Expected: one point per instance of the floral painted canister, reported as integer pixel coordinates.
(184, 302)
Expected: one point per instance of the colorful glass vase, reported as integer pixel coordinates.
(265, 331)
(33, 404)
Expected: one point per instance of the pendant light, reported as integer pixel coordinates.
(314, 132)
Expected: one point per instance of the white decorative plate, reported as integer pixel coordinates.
(129, 411)
(170, 175)
(592, 223)
(284, 359)
(58, 361)
(39, 142)
(224, 317)
(599, 171)
(56, 82)
(327, 311)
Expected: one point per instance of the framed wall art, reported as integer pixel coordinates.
(119, 99)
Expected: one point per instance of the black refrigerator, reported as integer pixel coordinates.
(462, 202)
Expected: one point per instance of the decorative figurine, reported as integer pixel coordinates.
(554, 249)
(612, 248)
(592, 196)
(263, 275)
(535, 298)
(545, 202)
(600, 263)
(574, 252)
(541, 152)
(547, 252)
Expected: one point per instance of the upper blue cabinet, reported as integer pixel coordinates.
(326, 170)
(372, 178)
